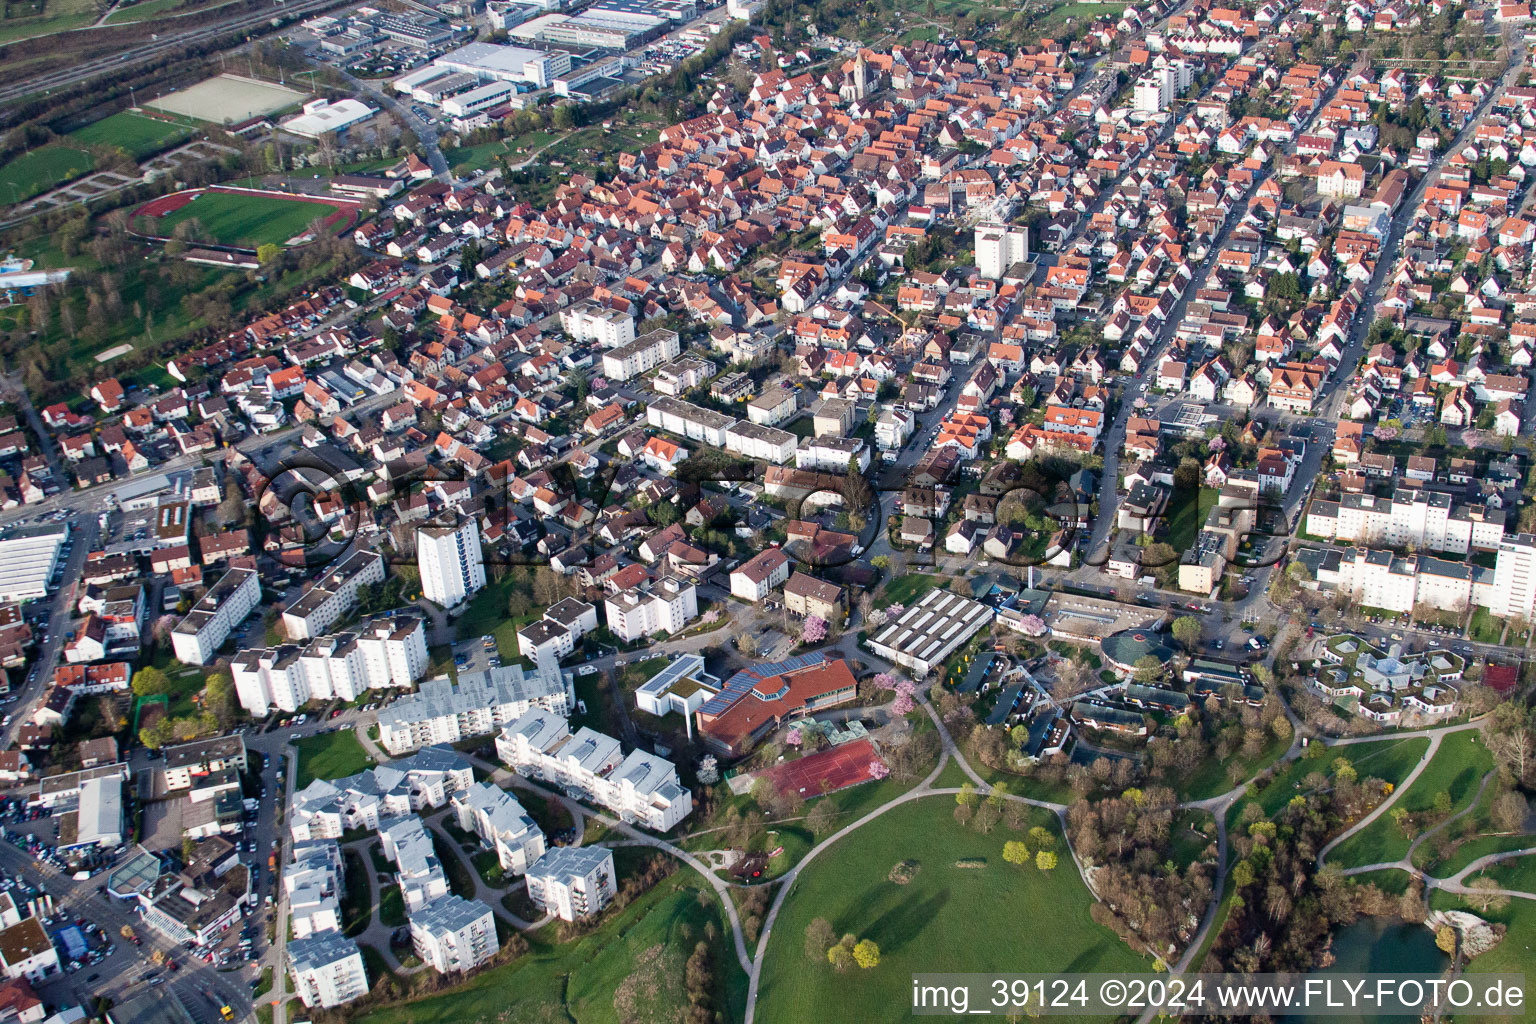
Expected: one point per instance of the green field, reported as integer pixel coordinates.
(1517, 873)
(907, 589)
(636, 955)
(45, 17)
(42, 169)
(1458, 766)
(146, 9)
(231, 218)
(949, 917)
(330, 756)
(1186, 514)
(1387, 760)
(139, 135)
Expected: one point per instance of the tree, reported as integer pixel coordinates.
(815, 630)
(967, 795)
(822, 818)
(268, 253)
(866, 954)
(1147, 669)
(1445, 938)
(1042, 837)
(1033, 625)
(819, 938)
(1485, 895)
(1016, 853)
(709, 770)
(840, 957)
(1045, 860)
(1509, 810)
(219, 697)
(1188, 630)
(878, 770)
(150, 682)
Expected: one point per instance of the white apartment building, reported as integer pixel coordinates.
(419, 872)
(832, 454)
(1157, 89)
(688, 420)
(664, 606)
(998, 247)
(644, 353)
(380, 654)
(196, 638)
(640, 788)
(450, 561)
(773, 406)
(760, 442)
(313, 886)
(756, 578)
(481, 703)
(573, 882)
(554, 636)
(494, 815)
(1378, 578)
(332, 595)
(326, 808)
(894, 428)
(454, 934)
(327, 970)
(1422, 519)
(587, 321)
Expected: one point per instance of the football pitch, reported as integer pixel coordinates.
(248, 221)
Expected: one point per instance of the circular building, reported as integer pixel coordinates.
(1125, 648)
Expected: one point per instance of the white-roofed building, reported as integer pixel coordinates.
(321, 116)
(454, 934)
(499, 820)
(573, 882)
(101, 812)
(27, 563)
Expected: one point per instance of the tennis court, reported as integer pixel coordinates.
(228, 99)
(825, 772)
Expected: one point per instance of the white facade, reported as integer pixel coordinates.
(333, 595)
(587, 321)
(450, 561)
(999, 247)
(640, 788)
(646, 352)
(454, 934)
(688, 420)
(385, 653)
(499, 820)
(197, 637)
(327, 970)
(761, 442)
(573, 882)
(665, 606)
(481, 703)
(1421, 519)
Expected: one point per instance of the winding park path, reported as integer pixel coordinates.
(1218, 806)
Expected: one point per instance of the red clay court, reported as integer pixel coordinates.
(837, 768)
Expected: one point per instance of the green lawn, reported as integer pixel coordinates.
(908, 589)
(47, 17)
(146, 9)
(1518, 873)
(1457, 768)
(330, 756)
(232, 218)
(138, 134)
(1186, 514)
(391, 905)
(1390, 880)
(487, 615)
(638, 952)
(1471, 850)
(1388, 760)
(1211, 779)
(41, 169)
(990, 917)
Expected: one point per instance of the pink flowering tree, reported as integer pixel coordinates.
(893, 611)
(878, 770)
(794, 737)
(599, 383)
(885, 681)
(902, 705)
(815, 630)
(906, 688)
(1033, 625)
(1217, 444)
(1385, 433)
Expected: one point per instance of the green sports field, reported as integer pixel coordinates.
(42, 169)
(246, 220)
(140, 136)
(965, 909)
